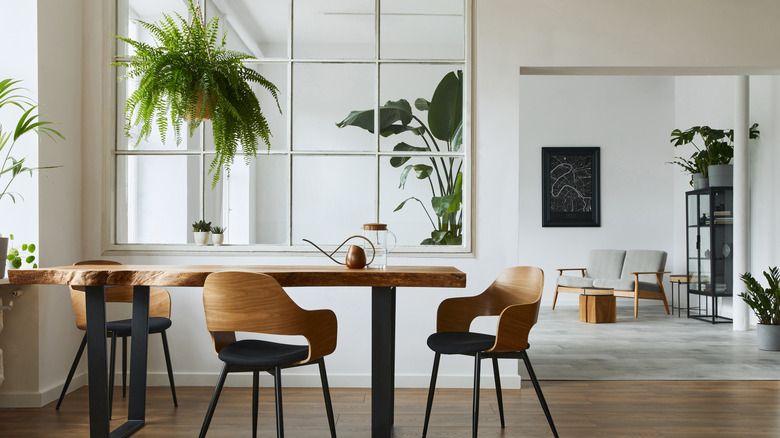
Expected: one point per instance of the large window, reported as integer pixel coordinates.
(317, 181)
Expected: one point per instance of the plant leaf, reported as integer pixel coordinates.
(446, 107)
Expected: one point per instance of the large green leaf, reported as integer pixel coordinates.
(421, 170)
(446, 107)
(389, 114)
(399, 161)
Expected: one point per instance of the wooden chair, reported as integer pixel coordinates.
(159, 322)
(515, 297)
(253, 302)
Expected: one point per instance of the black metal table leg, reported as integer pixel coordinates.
(382, 360)
(95, 297)
(136, 411)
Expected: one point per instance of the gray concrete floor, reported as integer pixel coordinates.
(655, 346)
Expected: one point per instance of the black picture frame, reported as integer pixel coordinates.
(570, 187)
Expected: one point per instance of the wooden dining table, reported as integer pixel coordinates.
(95, 278)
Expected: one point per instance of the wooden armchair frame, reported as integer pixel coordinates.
(636, 294)
(256, 303)
(514, 297)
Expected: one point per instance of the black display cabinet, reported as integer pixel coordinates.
(710, 235)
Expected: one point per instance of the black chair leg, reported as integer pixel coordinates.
(124, 366)
(431, 390)
(497, 377)
(72, 370)
(477, 370)
(214, 398)
(539, 394)
(111, 374)
(326, 394)
(278, 394)
(255, 397)
(170, 368)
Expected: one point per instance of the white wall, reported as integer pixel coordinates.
(629, 118)
(19, 337)
(508, 34)
(59, 190)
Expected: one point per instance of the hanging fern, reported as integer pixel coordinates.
(191, 65)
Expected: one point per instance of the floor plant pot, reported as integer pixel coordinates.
(201, 237)
(768, 337)
(720, 175)
(699, 182)
(3, 251)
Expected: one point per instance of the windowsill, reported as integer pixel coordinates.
(260, 250)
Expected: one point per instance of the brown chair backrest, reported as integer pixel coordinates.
(514, 296)
(252, 302)
(159, 299)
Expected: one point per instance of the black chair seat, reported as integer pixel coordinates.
(253, 353)
(122, 327)
(460, 342)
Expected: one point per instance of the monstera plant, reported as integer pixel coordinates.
(190, 75)
(443, 132)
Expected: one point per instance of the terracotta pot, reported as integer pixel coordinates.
(206, 115)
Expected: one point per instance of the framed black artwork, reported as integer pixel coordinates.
(570, 187)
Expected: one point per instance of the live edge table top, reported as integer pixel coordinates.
(195, 275)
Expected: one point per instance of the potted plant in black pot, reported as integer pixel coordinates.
(190, 75)
(765, 302)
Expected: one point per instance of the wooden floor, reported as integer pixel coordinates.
(579, 408)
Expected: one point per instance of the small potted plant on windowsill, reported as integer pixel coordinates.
(217, 235)
(192, 76)
(201, 230)
(766, 305)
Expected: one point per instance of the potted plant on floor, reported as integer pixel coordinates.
(11, 167)
(712, 159)
(192, 76)
(765, 302)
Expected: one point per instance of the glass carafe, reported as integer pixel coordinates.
(377, 234)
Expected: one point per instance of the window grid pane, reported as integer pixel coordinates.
(318, 89)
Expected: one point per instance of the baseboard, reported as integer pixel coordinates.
(39, 399)
(297, 380)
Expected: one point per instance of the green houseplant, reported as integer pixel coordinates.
(192, 76)
(716, 148)
(443, 132)
(217, 235)
(11, 167)
(765, 302)
(201, 230)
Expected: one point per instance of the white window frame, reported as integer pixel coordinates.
(466, 152)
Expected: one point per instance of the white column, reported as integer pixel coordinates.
(741, 161)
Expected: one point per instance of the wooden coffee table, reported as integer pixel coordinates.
(597, 305)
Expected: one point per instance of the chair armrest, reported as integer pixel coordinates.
(560, 270)
(320, 330)
(456, 314)
(514, 324)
